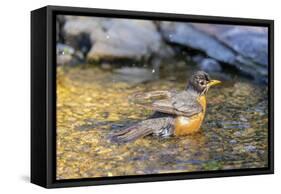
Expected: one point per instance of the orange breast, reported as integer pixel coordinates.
(188, 125)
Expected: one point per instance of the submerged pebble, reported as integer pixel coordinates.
(210, 65)
(250, 148)
(233, 141)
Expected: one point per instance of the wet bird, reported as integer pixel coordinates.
(179, 113)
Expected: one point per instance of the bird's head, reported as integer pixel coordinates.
(200, 81)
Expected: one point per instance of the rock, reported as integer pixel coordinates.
(242, 47)
(77, 33)
(237, 133)
(76, 25)
(186, 35)
(198, 58)
(250, 148)
(248, 41)
(134, 75)
(106, 66)
(132, 71)
(209, 65)
(128, 39)
(64, 59)
(64, 49)
(66, 55)
(233, 141)
(110, 39)
(59, 25)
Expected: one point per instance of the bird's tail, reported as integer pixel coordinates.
(130, 134)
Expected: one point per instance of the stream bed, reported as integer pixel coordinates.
(93, 103)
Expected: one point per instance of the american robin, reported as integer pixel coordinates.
(179, 113)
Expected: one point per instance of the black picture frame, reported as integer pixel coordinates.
(43, 96)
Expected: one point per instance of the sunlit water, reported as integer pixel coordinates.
(93, 103)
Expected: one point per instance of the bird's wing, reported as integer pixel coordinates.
(150, 95)
(181, 104)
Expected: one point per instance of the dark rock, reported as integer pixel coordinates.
(105, 115)
(186, 35)
(77, 35)
(248, 41)
(60, 20)
(117, 126)
(209, 65)
(198, 58)
(242, 47)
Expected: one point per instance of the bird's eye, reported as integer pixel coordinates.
(201, 83)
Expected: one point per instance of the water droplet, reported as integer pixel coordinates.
(153, 70)
(170, 37)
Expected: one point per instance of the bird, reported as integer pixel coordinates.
(179, 113)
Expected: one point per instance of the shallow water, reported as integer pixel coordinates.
(92, 103)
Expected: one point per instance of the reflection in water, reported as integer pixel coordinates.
(93, 103)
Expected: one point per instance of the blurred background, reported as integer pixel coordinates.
(213, 48)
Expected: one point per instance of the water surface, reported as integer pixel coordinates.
(93, 102)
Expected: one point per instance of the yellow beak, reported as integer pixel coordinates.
(213, 82)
